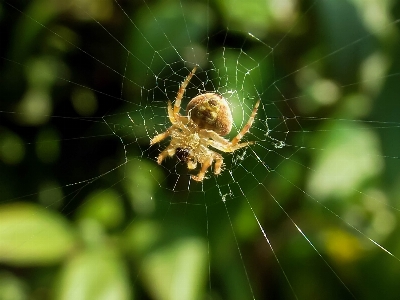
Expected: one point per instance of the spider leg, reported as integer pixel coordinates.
(246, 127)
(169, 151)
(171, 115)
(219, 143)
(176, 118)
(228, 147)
(191, 164)
(204, 166)
(159, 137)
(218, 164)
(184, 119)
(181, 91)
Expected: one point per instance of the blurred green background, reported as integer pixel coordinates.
(85, 211)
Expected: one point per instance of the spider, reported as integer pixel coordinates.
(208, 119)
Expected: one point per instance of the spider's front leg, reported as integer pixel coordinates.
(246, 127)
(181, 91)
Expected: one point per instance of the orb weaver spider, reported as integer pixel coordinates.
(208, 119)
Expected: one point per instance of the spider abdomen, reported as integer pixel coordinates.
(210, 111)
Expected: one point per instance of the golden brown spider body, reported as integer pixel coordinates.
(208, 119)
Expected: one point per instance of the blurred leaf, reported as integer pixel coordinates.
(33, 235)
(103, 206)
(172, 267)
(12, 149)
(25, 34)
(177, 271)
(342, 246)
(238, 13)
(350, 156)
(94, 274)
(11, 288)
(336, 18)
(48, 145)
(170, 45)
(141, 237)
(141, 186)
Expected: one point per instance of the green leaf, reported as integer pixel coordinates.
(351, 156)
(33, 235)
(103, 206)
(172, 266)
(12, 287)
(94, 274)
(177, 271)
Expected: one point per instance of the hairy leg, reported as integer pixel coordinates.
(204, 166)
(218, 163)
(181, 91)
(171, 115)
(169, 151)
(159, 137)
(246, 127)
(228, 147)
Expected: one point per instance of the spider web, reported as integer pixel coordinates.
(306, 212)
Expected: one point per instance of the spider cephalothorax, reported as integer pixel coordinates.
(208, 119)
